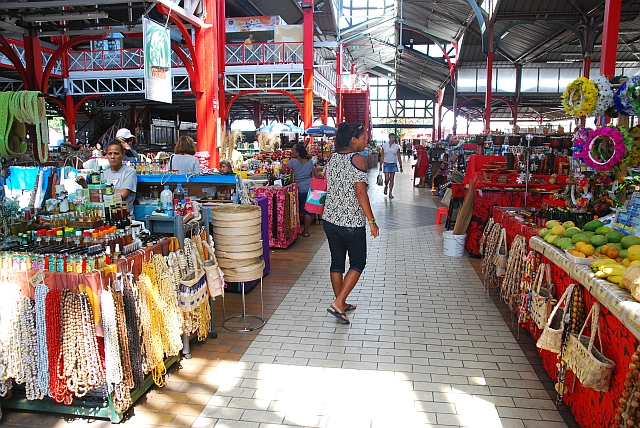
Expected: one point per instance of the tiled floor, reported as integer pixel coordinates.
(425, 348)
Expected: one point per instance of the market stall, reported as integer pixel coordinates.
(284, 222)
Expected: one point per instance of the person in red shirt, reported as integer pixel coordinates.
(421, 165)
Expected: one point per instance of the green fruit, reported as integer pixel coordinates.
(589, 233)
(593, 225)
(557, 240)
(623, 254)
(552, 223)
(598, 240)
(550, 237)
(630, 240)
(544, 232)
(580, 237)
(568, 224)
(564, 243)
(569, 233)
(614, 236)
(617, 245)
(597, 250)
(603, 230)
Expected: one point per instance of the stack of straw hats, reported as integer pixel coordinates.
(238, 241)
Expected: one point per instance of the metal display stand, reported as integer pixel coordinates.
(244, 315)
(176, 225)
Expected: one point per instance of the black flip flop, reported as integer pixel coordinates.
(339, 315)
(350, 307)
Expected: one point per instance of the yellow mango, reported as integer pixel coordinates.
(616, 279)
(626, 262)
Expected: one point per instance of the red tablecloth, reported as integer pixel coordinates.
(591, 409)
(482, 205)
(475, 164)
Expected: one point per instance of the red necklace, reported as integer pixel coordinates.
(57, 384)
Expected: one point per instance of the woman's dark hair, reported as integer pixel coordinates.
(185, 146)
(345, 132)
(114, 143)
(301, 150)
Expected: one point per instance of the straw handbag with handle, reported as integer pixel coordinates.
(502, 254)
(192, 290)
(215, 278)
(551, 337)
(541, 302)
(591, 367)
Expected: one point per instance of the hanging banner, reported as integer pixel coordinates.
(157, 61)
(252, 23)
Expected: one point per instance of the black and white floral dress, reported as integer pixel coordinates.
(341, 206)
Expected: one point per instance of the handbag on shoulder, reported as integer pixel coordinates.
(316, 195)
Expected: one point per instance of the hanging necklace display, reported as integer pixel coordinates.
(41, 332)
(510, 287)
(628, 410)
(113, 366)
(27, 347)
(57, 382)
(133, 330)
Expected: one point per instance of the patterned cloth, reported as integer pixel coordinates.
(342, 207)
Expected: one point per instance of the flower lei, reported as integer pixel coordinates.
(580, 97)
(621, 142)
(630, 96)
(605, 96)
(579, 143)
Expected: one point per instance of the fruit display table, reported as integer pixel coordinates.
(619, 324)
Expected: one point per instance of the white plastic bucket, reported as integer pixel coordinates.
(453, 245)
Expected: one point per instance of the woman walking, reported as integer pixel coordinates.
(389, 163)
(302, 173)
(421, 165)
(346, 213)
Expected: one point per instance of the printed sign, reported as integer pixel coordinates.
(252, 23)
(157, 62)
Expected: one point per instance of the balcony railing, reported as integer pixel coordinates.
(263, 53)
(124, 59)
(351, 82)
(326, 69)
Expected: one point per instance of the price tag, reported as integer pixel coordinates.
(36, 279)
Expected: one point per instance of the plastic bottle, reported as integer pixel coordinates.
(166, 197)
(177, 207)
(188, 208)
(178, 192)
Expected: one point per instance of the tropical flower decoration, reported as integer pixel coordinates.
(630, 96)
(605, 96)
(580, 97)
(606, 147)
(579, 143)
(633, 158)
(617, 101)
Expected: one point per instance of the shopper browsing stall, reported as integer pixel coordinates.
(225, 167)
(183, 159)
(302, 172)
(421, 165)
(389, 162)
(346, 213)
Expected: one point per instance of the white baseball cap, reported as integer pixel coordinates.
(123, 133)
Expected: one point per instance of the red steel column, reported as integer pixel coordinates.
(207, 103)
(487, 101)
(339, 85)
(222, 41)
(610, 37)
(325, 111)
(257, 113)
(307, 64)
(70, 115)
(33, 60)
(586, 65)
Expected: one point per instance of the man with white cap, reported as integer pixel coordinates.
(126, 138)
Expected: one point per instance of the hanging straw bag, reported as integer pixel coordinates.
(502, 254)
(485, 234)
(541, 302)
(192, 290)
(591, 367)
(551, 337)
(215, 278)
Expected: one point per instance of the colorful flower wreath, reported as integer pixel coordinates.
(605, 96)
(617, 102)
(580, 97)
(630, 96)
(621, 143)
(579, 143)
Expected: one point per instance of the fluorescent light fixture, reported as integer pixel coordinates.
(65, 17)
(305, 5)
(504, 35)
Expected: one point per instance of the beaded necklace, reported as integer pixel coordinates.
(628, 410)
(489, 277)
(158, 370)
(41, 330)
(111, 344)
(28, 348)
(510, 287)
(133, 332)
(57, 383)
(169, 304)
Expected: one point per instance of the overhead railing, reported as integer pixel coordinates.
(123, 59)
(263, 53)
(324, 68)
(18, 48)
(355, 82)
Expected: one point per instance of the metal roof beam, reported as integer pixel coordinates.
(413, 53)
(429, 32)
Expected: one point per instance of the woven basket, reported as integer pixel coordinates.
(230, 263)
(590, 366)
(236, 231)
(214, 279)
(551, 337)
(238, 223)
(234, 275)
(540, 304)
(237, 248)
(235, 212)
